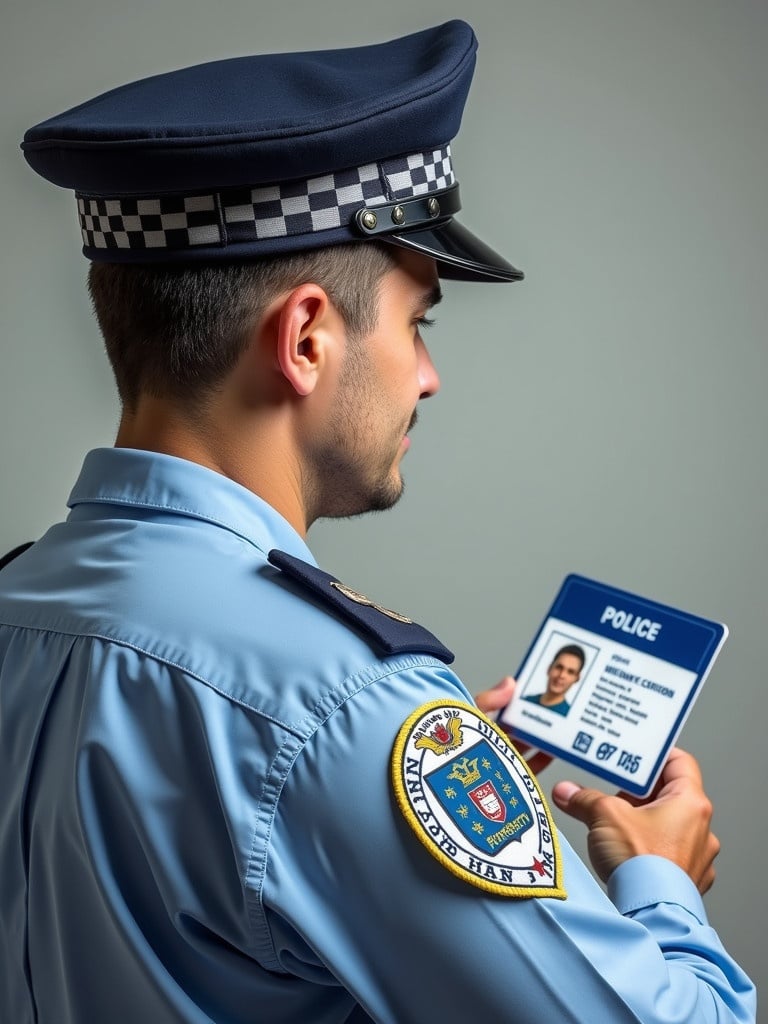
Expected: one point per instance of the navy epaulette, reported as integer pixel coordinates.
(391, 632)
(9, 557)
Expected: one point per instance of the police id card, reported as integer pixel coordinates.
(609, 680)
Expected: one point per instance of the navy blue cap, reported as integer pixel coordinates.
(275, 153)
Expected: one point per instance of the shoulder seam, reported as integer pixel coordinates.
(339, 695)
(154, 656)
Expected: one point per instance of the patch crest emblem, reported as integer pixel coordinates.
(474, 803)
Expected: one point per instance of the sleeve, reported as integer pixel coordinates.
(350, 889)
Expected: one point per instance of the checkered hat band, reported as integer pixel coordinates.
(264, 211)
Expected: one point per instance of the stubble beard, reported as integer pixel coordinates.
(352, 476)
(351, 484)
(354, 471)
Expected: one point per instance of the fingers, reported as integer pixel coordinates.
(680, 767)
(706, 883)
(705, 877)
(497, 697)
(674, 824)
(579, 802)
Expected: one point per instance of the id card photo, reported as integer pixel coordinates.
(609, 680)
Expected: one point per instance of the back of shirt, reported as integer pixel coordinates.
(145, 694)
(197, 822)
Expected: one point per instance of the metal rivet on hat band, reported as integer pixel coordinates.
(251, 213)
(408, 214)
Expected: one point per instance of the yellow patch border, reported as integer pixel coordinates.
(555, 892)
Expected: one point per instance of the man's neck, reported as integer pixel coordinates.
(550, 700)
(258, 459)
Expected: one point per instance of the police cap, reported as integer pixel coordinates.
(275, 153)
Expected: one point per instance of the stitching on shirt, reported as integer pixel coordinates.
(336, 697)
(655, 901)
(299, 733)
(156, 507)
(292, 728)
(258, 865)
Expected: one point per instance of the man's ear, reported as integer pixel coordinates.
(303, 336)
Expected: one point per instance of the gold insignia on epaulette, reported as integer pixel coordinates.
(353, 595)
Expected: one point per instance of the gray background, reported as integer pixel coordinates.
(607, 416)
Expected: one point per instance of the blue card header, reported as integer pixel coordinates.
(685, 640)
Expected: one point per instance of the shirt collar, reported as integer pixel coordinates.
(126, 476)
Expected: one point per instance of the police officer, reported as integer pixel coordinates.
(233, 788)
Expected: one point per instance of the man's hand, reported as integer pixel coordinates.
(497, 698)
(673, 822)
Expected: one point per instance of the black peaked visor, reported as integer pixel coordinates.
(460, 255)
(425, 223)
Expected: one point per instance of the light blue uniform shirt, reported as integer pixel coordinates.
(196, 818)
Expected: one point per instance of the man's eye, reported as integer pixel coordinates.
(425, 322)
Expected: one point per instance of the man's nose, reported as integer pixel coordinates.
(429, 379)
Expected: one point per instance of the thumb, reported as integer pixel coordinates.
(497, 697)
(505, 686)
(578, 801)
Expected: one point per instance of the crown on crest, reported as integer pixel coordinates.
(465, 771)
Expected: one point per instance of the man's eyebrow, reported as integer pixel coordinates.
(429, 298)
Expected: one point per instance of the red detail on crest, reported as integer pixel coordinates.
(487, 801)
(538, 867)
(441, 734)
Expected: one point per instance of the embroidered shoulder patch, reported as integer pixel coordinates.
(473, 802)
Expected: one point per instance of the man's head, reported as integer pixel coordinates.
(266, 253)
(564, 671)
(175, 331)
(330, 337)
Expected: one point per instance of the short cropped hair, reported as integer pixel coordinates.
(175, 331)
(573, 649)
